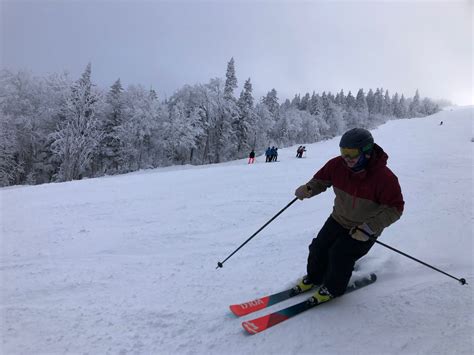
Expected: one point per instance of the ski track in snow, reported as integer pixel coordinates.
(126, 264)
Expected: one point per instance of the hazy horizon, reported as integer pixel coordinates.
(292, 47)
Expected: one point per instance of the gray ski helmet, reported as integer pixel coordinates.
(357, 138)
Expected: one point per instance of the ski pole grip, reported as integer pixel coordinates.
(371, 236)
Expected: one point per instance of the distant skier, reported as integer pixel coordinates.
(368, 197)
(268, 154)
(272, 153)
(275, 154)
(300, 151)
(252, 157)
(441, 123)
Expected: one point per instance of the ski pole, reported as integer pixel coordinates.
(462, 281)
(220, 264)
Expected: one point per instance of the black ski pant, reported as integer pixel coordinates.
(332, 256)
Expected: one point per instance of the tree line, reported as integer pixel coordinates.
(57, 129)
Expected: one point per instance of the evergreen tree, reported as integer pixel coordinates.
(296, 102)
(370, 101)
(378, 102)
(396, 106)
(230, 82)
(362, 110)
(304, 104)
(315, 105)
(340, 99)
(78, 136)
(403, 107)
(387, 105)
(335, 119)
(243, 126)
(180, 132)
(415, 106)
(428, 107)
(10, 168)
(350, 101)
(111, 142)
(271, 101)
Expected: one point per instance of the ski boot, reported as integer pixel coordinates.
(304, 285)
(321, 295)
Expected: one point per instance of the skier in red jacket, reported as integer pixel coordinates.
(368, 197)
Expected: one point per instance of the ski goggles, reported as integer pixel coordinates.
(350, 153)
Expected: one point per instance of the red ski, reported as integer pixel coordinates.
(260, 324)
(263, 302)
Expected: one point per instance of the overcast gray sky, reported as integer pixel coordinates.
(294, 47)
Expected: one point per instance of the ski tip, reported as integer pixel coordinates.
(236, 310)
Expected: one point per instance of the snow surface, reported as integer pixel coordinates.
(127, 264)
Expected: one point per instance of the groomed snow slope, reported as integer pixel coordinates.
(126, 264)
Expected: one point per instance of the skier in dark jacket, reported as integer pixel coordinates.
(252, 157)
(368, 198)
(275, 154)
(298, 151)
(272, 154)
(268, 154)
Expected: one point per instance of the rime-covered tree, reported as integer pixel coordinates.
(78, 135)
(244, 125)
(10, 168)
(396, 105)
(428, 107)
(112, 120)
(138, 133)
(230, 81)
(361, 110)
(304, 104)
(315, 105)
(180, 132)
(403, 107)
(340, 99)
(387, 105)
(378, 101)
(415, 106)
(370, 101)
(335, 119)
(271, 101)
(350, 101)
(296, 102)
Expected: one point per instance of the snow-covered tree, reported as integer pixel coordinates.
(403, 107)
(296, 102)
(340, 99)
(304, 104)
(271, 101)
(315, 105)
(244, 125)
(180, 131)
(78, 135)
(113, 118)
(370, 101)
(10, 168)
(415, 106)
(231, 81)
(387, 105)
(395, 104)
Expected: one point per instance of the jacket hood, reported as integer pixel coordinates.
(378, 159)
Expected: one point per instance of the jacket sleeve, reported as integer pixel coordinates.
(390, 198)
(322, 179)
